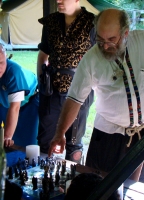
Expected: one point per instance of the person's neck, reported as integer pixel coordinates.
(70, 17)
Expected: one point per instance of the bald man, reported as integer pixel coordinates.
(115, 68)
(18, 99)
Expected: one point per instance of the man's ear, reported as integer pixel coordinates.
(126, 32)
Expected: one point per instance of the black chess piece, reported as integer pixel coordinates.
(73, 170)
(25, 174)
(34, 182)
(10, 173)
(33, 163)
(45, 185)
(19, 163)
(20, 174)
(63, 168)
(24, 177)
(68, 177)
(16, 170)
(52, 166)
(58, 165)
(42, 164)
(25, 163)
(57, 178)
(51, 185)
(39, 160)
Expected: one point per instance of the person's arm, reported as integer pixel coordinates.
(67, 117)
(42, 59)
(11, 122)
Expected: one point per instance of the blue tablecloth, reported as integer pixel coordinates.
(13, 157)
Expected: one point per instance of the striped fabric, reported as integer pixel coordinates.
(128, 90)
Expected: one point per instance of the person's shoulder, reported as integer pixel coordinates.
(12, 65)
(48, 18)
(136, 33)
(87, 13)
(136, 36)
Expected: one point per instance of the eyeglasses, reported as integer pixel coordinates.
(110, 44)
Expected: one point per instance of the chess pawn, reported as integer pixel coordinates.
(10, 173)
(33, 163)
(16, 170)
(52, 166)
(19, 163)
(34, 182)
(39, 160)
(51, 183)
(57, 178)
(26, 163)
(42, 164)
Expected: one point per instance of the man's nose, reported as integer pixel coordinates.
(59, 1)
(105, 46)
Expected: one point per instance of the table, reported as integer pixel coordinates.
(132, 190)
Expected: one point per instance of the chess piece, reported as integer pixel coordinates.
(73, 170)
(19, 163)
(39, 160)
(51, 183)
(33, 163)
(16, 170)
(52, 166)
(10, 173)
(42, 164)
(24, 177)
(26, 163)
(57, 178)
(34, 182)
(63, 168)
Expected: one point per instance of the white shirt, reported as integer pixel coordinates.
(16, 97)
(94, 71)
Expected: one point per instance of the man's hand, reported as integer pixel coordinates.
(8, 142)
(57, 145)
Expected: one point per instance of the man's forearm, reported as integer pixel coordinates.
(12, 119)
(42, 59)
(67, 116)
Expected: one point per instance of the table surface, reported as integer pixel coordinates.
(132, 190)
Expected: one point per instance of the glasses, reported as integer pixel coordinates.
(110, 44)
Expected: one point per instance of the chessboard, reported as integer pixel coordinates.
(44, 180)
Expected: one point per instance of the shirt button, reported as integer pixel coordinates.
(58, 58)
(61, 43)
(58, 66)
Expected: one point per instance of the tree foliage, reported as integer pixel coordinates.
(128, 4)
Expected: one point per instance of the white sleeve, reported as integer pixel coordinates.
(16, 97)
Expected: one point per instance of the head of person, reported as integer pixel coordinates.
(68, 6)
(112, 29)
(83, 185)
(3, 62)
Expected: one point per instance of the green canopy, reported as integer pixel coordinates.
(101, 4)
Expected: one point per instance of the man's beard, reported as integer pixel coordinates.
(113, 53)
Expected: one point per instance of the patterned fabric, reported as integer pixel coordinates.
(66, 48)
(128, 90)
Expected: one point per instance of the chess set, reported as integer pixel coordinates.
(44, 180)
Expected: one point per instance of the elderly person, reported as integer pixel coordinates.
(18, 102)
(114, 66)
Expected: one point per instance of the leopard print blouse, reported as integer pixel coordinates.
(65, 49)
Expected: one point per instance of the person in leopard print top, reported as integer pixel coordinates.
(67, 35)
